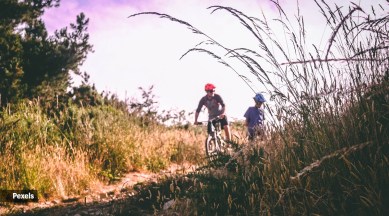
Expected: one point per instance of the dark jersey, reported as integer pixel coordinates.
(213, 104)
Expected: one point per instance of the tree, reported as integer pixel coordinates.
(32, 63)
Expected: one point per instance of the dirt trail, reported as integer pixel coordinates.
(99, 200)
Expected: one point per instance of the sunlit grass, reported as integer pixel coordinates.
(326, 151)
(63, 154)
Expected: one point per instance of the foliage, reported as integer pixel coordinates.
(327, 148)
(62, 151)
(326, 152)
(33, 64)
(60, 141)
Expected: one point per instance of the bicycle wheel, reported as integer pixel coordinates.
(212, 147)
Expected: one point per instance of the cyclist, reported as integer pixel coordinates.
(255, 117)
(216, 108)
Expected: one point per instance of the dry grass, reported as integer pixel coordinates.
(64, 154)
(326, 152)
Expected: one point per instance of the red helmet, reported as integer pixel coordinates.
(209, 87)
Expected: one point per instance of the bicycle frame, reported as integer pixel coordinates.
(214, 137)
(214, 143)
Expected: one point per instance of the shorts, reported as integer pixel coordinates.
(223, 122)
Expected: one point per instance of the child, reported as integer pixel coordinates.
(216, 107)
(255, 117)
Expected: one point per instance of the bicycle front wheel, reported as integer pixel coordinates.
(212, 147)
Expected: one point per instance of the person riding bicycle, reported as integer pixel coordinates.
(255, 117)
(216, 108)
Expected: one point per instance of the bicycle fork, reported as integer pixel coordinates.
(218, 141)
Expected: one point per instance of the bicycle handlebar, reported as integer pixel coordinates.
(210, 120)
(214, 119)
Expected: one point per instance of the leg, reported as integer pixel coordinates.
(210, 128)
(227, 132)
(259, 131)
(224, 124)
(251, 135)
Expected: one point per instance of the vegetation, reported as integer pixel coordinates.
(61, 142)
(327, 149)
(34, 64)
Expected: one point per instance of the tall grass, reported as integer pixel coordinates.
(327, 152)
(62, 153)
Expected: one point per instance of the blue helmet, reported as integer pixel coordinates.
(259, 98)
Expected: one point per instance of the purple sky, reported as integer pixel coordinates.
(99, 10)
(144, 51)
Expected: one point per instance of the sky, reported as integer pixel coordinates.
(145, 50)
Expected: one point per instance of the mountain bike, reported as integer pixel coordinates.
(215, 145)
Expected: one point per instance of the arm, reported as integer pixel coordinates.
(223, 112)
(246, 115)
(221, 102)
(201, 104)
(263, 114)
(196, 117)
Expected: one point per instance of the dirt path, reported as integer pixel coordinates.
(103, 200)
